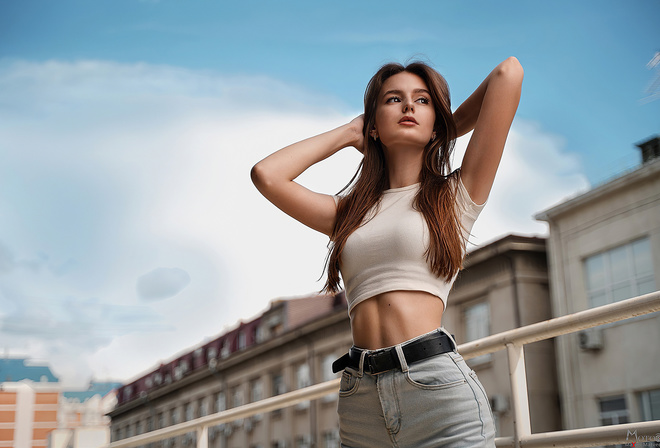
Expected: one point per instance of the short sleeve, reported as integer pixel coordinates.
(466, 203)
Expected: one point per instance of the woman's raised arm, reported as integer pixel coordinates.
(274, 176)
(489, 111)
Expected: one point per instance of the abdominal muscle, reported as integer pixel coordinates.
(394, 317)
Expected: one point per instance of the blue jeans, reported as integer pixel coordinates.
(436, 402)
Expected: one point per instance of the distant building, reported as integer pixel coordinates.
(604, 246)
(288, 347)
(29, 396)
(504, 285)
(82, 419)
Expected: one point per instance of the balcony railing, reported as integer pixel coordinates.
(513, 342)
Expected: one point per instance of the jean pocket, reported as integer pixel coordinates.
(349, 382)
(438, 372)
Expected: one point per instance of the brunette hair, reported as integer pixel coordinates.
(436, 197)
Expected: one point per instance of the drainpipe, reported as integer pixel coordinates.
(516, 295)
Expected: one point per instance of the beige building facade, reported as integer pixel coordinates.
(604, 246)
(504, 285)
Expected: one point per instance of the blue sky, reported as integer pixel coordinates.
(129, 229)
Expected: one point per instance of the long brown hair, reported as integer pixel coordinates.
(436, 197)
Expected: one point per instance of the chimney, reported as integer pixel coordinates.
(650, 149)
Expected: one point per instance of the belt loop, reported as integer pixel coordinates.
(363, 354)
(450, 337)
(402, 358)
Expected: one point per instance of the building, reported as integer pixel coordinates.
(294, 342)
(504, 285)
(29, 395)
(604, 246)
(290, 346)
(82, 419)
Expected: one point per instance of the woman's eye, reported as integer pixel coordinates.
(423, 100)
(393, 99)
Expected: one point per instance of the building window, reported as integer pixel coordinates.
(620, 273)
(303, 379)
(613, 411)
(278, 384)
(331, 439)
(649, 402)
(241, 340)
(237, 398)
(225, 351)
(256, 394)
(303, 442)
(174, 417)
(256, 391)
(190, 412)
(326, 368)
(204, 407)
(477, 326)
(262, 334)
(221, 402)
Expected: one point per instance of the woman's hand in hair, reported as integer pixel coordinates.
(274, 176)
(357, 125)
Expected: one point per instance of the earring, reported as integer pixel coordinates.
(433, 136)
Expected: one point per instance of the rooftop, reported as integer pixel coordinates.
(18, 369)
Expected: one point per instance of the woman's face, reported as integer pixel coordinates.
(405, 115)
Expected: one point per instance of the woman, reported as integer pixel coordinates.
(398, 237)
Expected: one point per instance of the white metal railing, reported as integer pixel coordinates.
(513, 341)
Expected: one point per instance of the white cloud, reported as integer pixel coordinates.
(110, 170)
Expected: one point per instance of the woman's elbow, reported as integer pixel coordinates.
(259, 175)
(511, 68)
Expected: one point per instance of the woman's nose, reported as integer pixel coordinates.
(407, 106)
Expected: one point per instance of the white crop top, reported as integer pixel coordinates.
(387, 253)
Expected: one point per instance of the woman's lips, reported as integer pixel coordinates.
(408, 121)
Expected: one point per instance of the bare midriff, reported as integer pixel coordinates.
(393, 317)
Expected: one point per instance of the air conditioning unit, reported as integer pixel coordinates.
(499, 403)
(591, 339)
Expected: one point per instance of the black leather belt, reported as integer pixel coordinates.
(383, 360)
